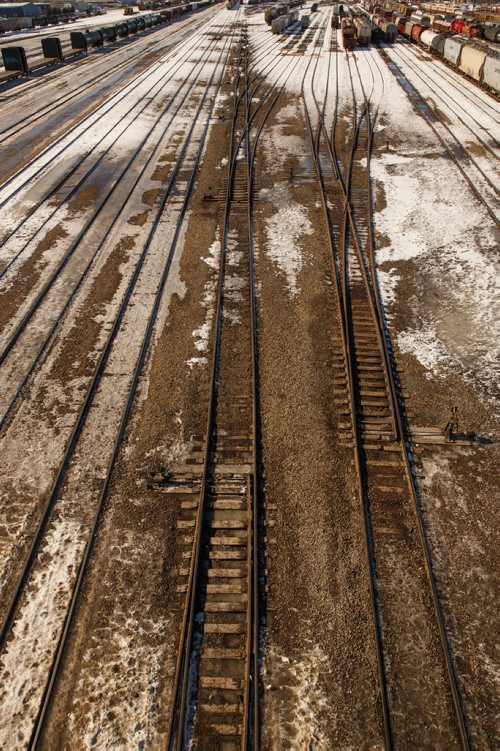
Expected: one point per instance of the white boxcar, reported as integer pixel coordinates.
(389, 30)
(278, 24)
(433, 40)
(491, 73)
(453, 49)
(472, 61)
(363, 31)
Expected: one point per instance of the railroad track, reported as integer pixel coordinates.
(441, 83)
(487, 194)
(14, 128)
(373, 425)
(31, 566)
(216, 688)
(39, 345)
(28, 570)
(70, 136)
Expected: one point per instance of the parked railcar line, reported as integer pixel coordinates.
(423, 108)
(456, 79)
(51, 685)
(372, 401)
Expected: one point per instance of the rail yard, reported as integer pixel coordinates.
(249, 367)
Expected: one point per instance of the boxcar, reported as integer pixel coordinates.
(363, 31)
(388, 30)
(453, 49)
(491, 73)
(472, 61)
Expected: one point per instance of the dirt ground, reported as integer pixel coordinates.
(319, 675)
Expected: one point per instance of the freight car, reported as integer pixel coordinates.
(335, 21)
(492, 33)
(304, 22)
(348, 34)
(474, 58)
(433, 40)
(363, 31)
(491, 73)
(472, 61)
(388, 30)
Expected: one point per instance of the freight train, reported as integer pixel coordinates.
(456, 40)
(276, 11)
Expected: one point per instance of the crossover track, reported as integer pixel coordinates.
(216, 687)
(374, 423)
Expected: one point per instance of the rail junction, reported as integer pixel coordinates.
(160, 202)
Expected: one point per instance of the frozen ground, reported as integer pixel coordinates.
(436, 252)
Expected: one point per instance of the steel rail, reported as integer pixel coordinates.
(4, 420)
(49, 693)
(92, 389)
(405, 437)
(349, 218)
(81, 236)
(176, 724)
(142, 104)
(411, 478)
(346, 345)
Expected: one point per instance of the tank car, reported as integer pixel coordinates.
(472, 61)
